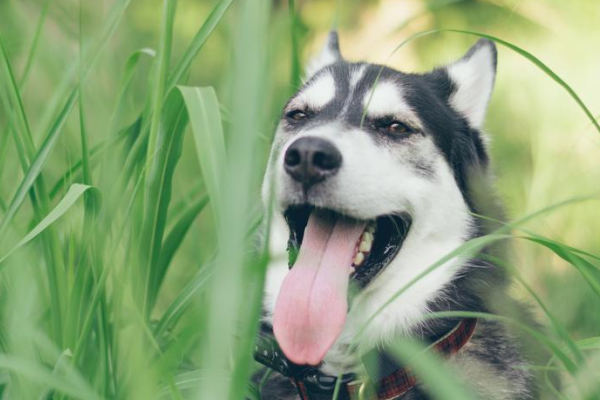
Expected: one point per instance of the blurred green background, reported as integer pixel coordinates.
(544, 148)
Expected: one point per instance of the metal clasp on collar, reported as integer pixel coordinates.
(317, 382)
(363, 390)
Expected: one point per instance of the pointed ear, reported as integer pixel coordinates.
(473, 77)
(329, 54)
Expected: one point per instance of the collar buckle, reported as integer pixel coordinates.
(365, 390)
(317, 382)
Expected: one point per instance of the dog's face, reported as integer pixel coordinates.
(370, 168)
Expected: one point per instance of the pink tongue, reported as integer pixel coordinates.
(311, 308)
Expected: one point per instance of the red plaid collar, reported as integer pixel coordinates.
(402, 380)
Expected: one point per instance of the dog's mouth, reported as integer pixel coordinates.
(327, 251)
(379, 243)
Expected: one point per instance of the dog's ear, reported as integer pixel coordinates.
(473, 78)
(329, 54)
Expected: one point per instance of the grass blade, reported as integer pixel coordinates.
(98, 43)
(198, 286)
(203, 107)
(180, 70)
(178, 233)
(588, 271)
(558, 327)
(75, 386)
(538, 63)
(296, 70)
(85, 153)
(20, 122)
(158, 190)
(75, 191)
(162, 71)
(34, 43)
(37, 165)
(198, 42)
(440, 381)
(184, 299)
(234, 298)
(74, 174)
(130, 69)
(527, 55)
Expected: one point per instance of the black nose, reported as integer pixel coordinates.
(310, 160)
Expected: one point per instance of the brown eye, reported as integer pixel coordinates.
(397, 128)
(392, 127)
(296, 115)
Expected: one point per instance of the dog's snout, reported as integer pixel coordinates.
(310, 160)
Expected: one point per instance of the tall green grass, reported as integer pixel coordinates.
(131, 266)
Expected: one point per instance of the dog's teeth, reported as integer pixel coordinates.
(365, 246)
(367, 237)
(371, 227)
(358, 259)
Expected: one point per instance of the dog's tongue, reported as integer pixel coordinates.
(311, 308)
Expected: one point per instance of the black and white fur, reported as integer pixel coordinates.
(436, 175)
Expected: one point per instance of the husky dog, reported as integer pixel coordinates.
(379, 175)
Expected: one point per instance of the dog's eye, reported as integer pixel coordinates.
(393, 127)
(296, 115)
(397, 128)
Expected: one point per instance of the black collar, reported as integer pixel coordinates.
(391, 379)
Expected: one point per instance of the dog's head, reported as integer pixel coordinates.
(370, 167)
